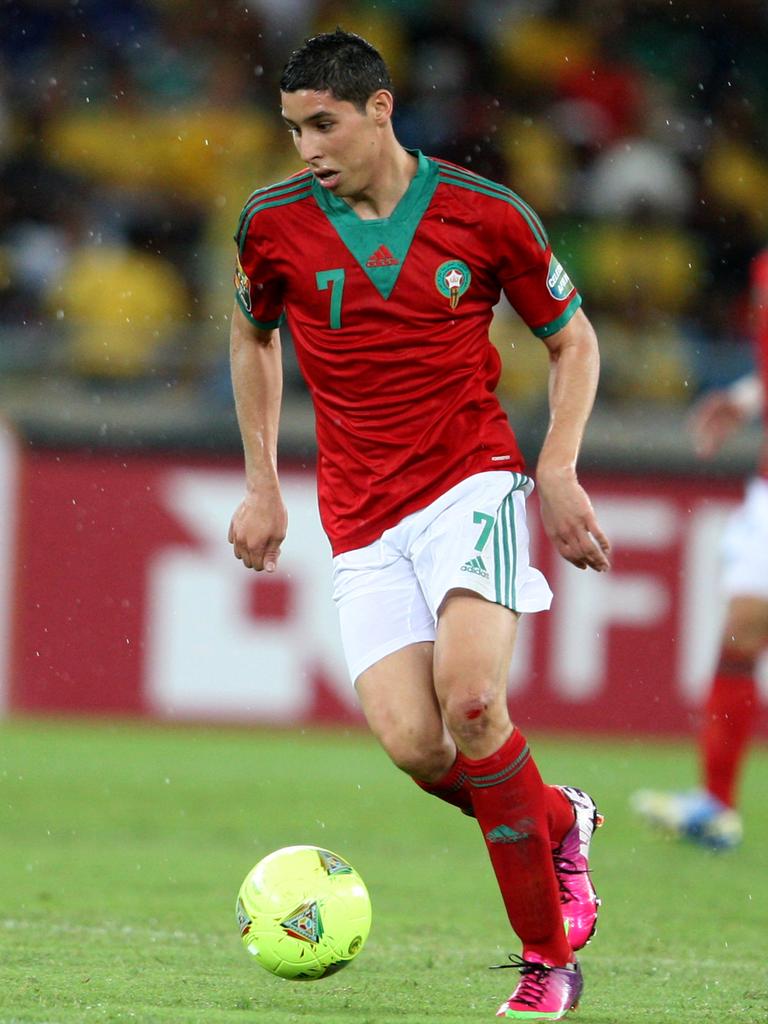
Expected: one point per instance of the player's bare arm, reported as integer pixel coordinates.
(720, 413)
(566, 510)
(260, 522)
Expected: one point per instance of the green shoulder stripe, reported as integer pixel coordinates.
(278, 188)
(242, 232)
(274, 195)
(470, 176)
(532, 213)
(477, 184)
(462, 172)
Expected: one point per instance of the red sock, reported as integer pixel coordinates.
(511, 805)
(453, 787)
(728, 718)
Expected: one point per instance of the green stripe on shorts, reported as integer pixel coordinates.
(505, 552)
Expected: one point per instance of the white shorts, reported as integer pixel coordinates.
(744, 546)
(473, 537)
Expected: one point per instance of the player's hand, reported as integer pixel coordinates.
(712, 422)
(570, 521)
(258, 528)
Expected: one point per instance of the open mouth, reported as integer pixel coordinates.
(327, 178)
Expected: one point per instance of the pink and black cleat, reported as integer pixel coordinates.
(543, 992)
(578, 898)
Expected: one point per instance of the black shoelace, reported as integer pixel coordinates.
(531, 988)
(565, 866)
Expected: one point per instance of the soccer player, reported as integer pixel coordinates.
(386, 265)
(709, 815)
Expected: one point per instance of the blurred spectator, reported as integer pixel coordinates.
(540, 163)
(641, 262)
(450, 67)
(39, 206)
(735, 169)
(536, 51)
(609, 96)
(122, 306)
(635, 174)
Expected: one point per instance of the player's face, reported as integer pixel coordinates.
(338, 142)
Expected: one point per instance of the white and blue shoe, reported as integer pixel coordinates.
(695, 815)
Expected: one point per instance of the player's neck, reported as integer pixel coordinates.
(394, 172)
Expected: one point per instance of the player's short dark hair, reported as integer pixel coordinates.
(342, 63)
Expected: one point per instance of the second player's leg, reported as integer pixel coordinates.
(731, 705)
(709, 814)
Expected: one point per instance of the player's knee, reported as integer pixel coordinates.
(468, 716)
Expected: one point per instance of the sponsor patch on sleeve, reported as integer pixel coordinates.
(243, 285)
(559, 285)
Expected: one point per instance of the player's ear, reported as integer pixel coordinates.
(381, 103)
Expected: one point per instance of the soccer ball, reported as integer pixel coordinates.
(303, 912)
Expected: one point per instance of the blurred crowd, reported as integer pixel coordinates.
(132, 131)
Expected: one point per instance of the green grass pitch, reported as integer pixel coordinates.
(123, 846)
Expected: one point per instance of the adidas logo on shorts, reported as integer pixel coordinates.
(476, 566)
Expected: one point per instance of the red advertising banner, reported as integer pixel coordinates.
(127, 600)
(9, 460)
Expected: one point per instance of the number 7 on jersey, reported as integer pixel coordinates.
(336, 280)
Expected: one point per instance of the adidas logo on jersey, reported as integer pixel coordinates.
(477, 566)
(381, 258)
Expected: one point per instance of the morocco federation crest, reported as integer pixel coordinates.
(452, 280)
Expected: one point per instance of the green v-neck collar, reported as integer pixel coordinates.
(381, 246)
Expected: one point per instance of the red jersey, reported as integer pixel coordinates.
(759, 304)
(390, 321)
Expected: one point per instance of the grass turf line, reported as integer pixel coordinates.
(124, 846)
